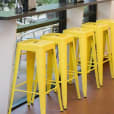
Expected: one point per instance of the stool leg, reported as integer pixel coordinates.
(17, 59)
(41, 70)
(104, 42)
(73, 51)
(30, 74)
(70, 66)
(34, 88)
(90, 52)
(77, 47)
(57, 79)
(49, 69)
(112, 48)
(99, 42)
(95, 62)
(109, 52)
(71, 62)
(83, 44)
(63, 71)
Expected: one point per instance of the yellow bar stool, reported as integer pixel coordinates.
(62, 41)
(36, 50)
(110, 22)
(85, 36)
(102, 38)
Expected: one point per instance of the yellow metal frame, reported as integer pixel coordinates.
(38, 49)
(85, 36)
(110, 23)
(62, 41)
(102, 38)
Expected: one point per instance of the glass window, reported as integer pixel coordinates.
(42, 2)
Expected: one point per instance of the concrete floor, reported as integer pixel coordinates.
(99, 101)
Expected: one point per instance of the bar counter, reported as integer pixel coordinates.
(11, 14)
(8, 41)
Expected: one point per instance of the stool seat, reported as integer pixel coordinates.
(105, 21)
(57, 37)
(79, 31)
(95, 26)
(33, 44)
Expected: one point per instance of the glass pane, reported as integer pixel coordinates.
(42, 2)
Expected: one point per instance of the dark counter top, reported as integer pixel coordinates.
(8, 15)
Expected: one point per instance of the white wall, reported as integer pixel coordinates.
(7, 50)
(75, 17)
(105, 10)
